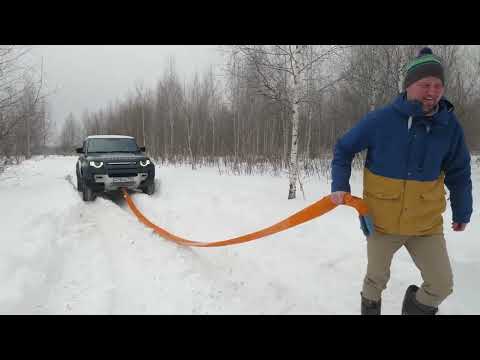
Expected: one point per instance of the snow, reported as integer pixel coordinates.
(59, 255)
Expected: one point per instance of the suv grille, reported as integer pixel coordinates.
(121, 168)
(123, 174)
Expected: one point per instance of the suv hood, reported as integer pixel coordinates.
(116, 157)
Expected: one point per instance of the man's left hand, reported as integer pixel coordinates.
(458, 226)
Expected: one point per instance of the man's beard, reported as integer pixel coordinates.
(429, 110)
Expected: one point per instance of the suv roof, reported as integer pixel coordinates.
(109, 137)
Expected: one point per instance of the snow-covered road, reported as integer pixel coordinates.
(59, 255)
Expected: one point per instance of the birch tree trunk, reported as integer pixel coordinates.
(285, 136)
(295, 82)
(373, 98)
(189, 141)
(309, 132)
(213, 131)
(171, 122)
(143, 124)
(28, 153)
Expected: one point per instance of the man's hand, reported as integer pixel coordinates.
(337, 197)
(458, 226)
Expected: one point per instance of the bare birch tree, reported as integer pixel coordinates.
(23, 122)
(280, 72)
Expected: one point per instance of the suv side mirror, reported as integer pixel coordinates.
(142, 148)
(79, 150)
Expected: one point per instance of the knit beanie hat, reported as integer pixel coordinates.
(424, 65)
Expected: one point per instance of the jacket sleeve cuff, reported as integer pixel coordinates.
(336, 187)
(461, 220)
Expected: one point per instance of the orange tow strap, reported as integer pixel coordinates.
(318, 208)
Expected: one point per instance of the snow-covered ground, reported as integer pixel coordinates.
(59, 255)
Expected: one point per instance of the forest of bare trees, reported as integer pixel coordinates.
(272, 108)
(24, 121)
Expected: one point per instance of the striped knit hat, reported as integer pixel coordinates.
(424, 65)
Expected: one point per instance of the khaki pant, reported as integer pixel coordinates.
(429, 254)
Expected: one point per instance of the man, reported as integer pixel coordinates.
(415, 145)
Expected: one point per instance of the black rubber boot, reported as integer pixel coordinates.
(411, 306)
(370, 307)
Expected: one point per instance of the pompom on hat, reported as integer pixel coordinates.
(424, 65)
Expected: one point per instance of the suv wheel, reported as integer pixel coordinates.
(149, 189)
(87, 193)
(79, 184)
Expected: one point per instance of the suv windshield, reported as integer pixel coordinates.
(112, 145)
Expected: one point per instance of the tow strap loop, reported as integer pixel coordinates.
(318, 208)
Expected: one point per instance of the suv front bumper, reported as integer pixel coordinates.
(110, 179)
(115, 183)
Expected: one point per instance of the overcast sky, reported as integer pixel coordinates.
(90, 76)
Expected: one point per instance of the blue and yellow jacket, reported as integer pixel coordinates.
(409, 159)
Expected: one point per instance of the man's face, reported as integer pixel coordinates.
(428, 91)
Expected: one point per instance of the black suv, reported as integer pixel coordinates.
(111, 162)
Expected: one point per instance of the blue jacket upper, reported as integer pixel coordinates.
(402, 143)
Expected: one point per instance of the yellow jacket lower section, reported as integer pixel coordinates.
(405, 207)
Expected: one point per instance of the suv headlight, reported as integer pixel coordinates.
(96, 164)
(144, 163)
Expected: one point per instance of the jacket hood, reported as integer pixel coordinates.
(414, 109)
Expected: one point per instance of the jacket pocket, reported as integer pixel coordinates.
(385, 209)
(433, 201)
(383, 196)
(429, 209)
(433, 195)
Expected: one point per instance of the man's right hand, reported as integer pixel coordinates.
(337, 197)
